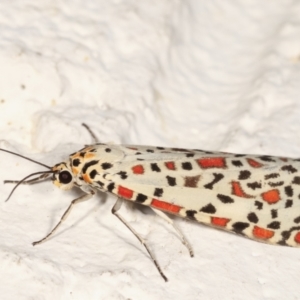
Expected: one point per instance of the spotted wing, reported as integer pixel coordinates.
(251, 195)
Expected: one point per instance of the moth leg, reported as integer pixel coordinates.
(90, 132)
(170, 221)
(65, 215)
(114, 210)
(30, 181)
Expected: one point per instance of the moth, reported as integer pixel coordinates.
(256, 196)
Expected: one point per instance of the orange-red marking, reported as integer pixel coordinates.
(89, 155)
(170, 165)
(283, 159)
(131, 148)
(86, 178)
(211, 162)
(262, 233)
(253, 163)
(74, 170)
(238, 191)
(138, 169)
(165, 206)
(125, 192)
(222, 222)
(271, 196)
(297, 237)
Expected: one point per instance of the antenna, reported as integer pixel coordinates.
(34, 161)
(23, 180)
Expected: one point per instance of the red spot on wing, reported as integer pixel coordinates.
(125, 192)
(170, 165)
(238, 191)
(165, 206)
(138, 169)
(222, 222)
(211, 162)
(262, 233)
(271, 196)
(253, 163)
(297, 237)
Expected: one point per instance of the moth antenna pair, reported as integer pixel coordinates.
(44, 174)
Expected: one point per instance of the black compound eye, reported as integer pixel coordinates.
(65, 177)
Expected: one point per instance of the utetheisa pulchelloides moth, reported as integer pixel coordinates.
(253, 195)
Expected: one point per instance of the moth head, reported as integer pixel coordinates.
(62, 176)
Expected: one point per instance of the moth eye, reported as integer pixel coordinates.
(65, 177)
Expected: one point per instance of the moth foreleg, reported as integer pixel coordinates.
(65, 215)
(181, 236)
(114, 210)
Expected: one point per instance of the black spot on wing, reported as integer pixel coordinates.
(245, 174)
(237, 163)
(100, 183)
(252, 217)
(111, 186)
(274, 225)
(89, 164)
(190, 214)
(93, 174)
(107, 150)
(217, 178)
(258, 204)
(209, 209)
(285, 236)
(271, 176)
(171, 180)
(158, 192)
(155, 167)
(76, 162)
(267, 158)
(190, 155)
(288, 191)
(274, 184)
(289, 169)
(225, 199)
(122, 174)
(106, 166)
(180, 150)
(288, 203)
(254, 185)
(297, 220)
(141, 198)
(296, 180)
(187, 166)
(274, 213)
(238, 227)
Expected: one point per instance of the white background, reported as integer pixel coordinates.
(217, 75)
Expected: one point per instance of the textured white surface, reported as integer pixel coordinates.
(215, 75)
